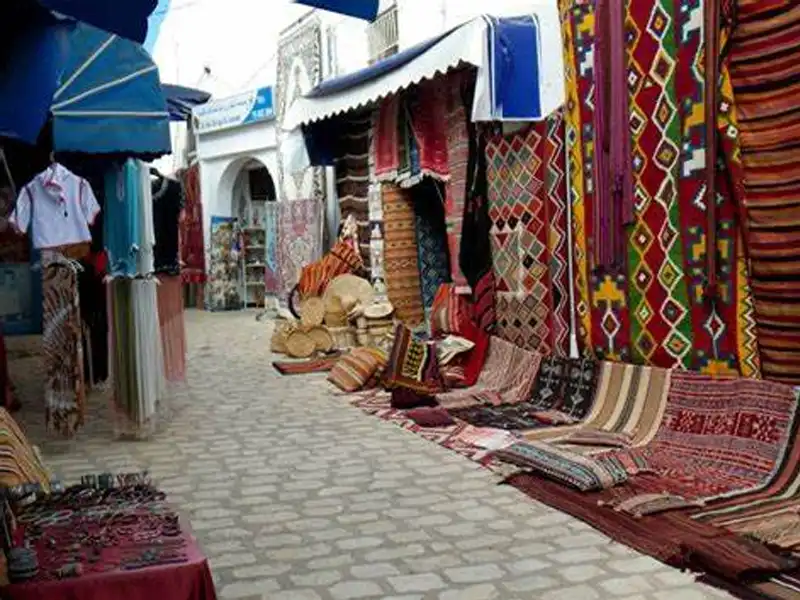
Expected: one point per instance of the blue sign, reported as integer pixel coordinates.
(242, 109)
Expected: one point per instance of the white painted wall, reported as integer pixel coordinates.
(222, 156)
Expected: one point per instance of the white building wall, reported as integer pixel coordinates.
(222, 156)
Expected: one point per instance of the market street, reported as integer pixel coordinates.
(294, 494)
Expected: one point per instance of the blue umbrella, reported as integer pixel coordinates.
(109, 98)
(126, 18)
(361, 9)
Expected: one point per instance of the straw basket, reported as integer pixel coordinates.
(312, 312)
(282, 331)
(300, 345)
(322, 338)
(344, 338)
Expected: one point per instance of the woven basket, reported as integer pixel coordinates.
(312, 312)
(378, 335)
(344, 338)
(282, 331)
(322, 339)
(300, 345)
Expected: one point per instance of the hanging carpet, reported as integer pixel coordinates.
(764, 59)
(272, 268)
(300, 238)
(352, 176)
(432, 251)
(193, 255)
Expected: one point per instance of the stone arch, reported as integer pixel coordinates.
(229, 178)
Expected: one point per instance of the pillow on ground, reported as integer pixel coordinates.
(355, 369)
(413, 365)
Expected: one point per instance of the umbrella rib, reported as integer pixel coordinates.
(109, 113)
(87, 63)
(104, 87)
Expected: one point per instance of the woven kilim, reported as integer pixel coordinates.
(272, 271)
(400, 255)
(458, 159)
(300, 238)
(507, 377)
(577, 29)
(764, 58)
(519, 212)
(630, 400)
(352, 176)
(432, 251)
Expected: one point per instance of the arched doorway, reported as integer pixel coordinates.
(248, 189)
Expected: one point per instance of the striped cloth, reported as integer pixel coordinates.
(173, 328)
(314, 278)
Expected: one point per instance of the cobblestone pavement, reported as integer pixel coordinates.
(294, 494)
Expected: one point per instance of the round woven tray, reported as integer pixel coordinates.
(312, 312)
(322, 339)
(300, 345)
(351, 288)
(282, 331)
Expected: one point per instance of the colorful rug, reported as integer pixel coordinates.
(352, 176)
(763, 68)
(520, 253)
(401, 261)
(432, 251)
(428, 110)
(300, 238)
(629, 400)
(305, 367)
(508, 377)
(458, 159)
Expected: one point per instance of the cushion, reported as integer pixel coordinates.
(405, 399)
(453, 376)
(582, 472)
(431, 417)
(413, 365)
(354, 370)
(451, 347)
(450, 311)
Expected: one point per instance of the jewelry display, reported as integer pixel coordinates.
(106, 523)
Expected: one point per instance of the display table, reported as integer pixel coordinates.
(188, 581)
(88, 543)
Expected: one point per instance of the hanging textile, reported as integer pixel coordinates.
(432, 252)
(352, 176)
(65, 392)
(137, 360)
(475, 252)
(168, 202)
(192, 246)
(427, 113)
(172, 327)
(763, 56)
(300, 230)
(457, 163)
(145, 264)
(527, 229)
(655, 309)
(272, 269)
(400, 255)
(121, 219)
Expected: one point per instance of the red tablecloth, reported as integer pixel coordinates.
(187, 581)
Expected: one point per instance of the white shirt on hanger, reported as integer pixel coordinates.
(59, 206)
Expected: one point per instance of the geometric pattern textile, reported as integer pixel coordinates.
(520, 210)
(432, 250)
(654, 309)
(401, 260)
(300, 224)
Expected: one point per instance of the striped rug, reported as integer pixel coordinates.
(630, 401)
(765, 72)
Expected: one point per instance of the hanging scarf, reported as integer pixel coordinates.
(712, 52)
(614, 183)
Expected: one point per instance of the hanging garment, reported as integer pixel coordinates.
(475, 254)
(122, 222)
(145, 264)
(95, 318)
(65, 393)
(192, 244)
(167, 206)
(58, 206)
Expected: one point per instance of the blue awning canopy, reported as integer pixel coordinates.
(181, 100)
(127, 18)
(514, 81)
(361, 9)
(109, 98)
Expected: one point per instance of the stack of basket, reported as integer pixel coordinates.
(306, 338)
